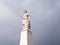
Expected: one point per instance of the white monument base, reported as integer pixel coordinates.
(26, 38)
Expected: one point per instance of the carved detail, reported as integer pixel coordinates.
(26, 21)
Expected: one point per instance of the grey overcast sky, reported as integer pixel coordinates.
(45, 21)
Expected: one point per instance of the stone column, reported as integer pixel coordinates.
(26, 34)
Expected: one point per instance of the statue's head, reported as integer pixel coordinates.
(25, 11)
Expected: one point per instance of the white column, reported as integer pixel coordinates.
(26, 34)
(26, 38)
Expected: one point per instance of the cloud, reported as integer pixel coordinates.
(45, 18)
(8, 25)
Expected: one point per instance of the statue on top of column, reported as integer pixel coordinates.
(26, 21)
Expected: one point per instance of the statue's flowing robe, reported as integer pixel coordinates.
(26, 22)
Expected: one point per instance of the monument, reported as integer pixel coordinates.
(26, 34)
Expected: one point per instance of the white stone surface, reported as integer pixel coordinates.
(26, 21)
(26, 34)
(26, 38)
